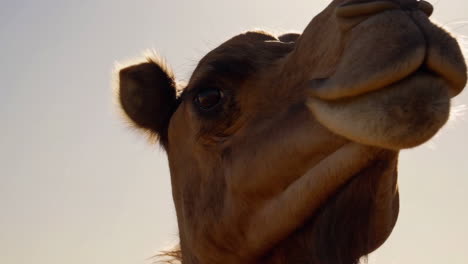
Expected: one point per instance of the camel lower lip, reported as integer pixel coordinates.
(403, 115)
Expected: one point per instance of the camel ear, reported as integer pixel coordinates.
(289, 37)
(147, 94)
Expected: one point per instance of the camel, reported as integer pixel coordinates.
(284, 149)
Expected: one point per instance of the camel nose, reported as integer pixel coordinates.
(362, 8)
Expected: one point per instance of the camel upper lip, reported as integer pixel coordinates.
(369, 64)
(454, 81)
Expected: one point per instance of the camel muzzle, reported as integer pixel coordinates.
(394, 74)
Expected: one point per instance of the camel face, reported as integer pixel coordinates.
(284, 149)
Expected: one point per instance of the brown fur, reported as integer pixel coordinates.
(293, 159)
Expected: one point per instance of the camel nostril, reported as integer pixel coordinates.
(426, 7)
(357, 9)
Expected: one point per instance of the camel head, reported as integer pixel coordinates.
(283, 149)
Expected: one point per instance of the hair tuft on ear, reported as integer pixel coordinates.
(147, 93)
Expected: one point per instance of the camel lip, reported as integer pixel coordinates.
(424, 69)
(402, 115)
(421, 47)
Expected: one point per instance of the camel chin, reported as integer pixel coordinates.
(403, 115)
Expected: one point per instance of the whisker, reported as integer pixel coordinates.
(458, 113)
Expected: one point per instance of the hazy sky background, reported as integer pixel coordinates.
(77, 186)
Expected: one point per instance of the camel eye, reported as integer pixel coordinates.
(207, 99)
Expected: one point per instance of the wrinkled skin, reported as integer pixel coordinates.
(284, 149)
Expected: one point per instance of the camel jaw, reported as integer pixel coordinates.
(399, 100)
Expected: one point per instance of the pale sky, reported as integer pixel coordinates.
(77, 186)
